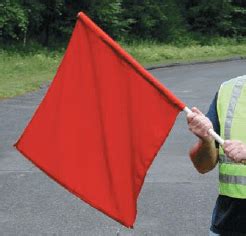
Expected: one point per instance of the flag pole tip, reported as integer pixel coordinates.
(187, 110)
(79, 14)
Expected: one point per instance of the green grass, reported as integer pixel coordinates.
(23, 71)
(154, 53)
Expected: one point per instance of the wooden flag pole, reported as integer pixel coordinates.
(210, 131)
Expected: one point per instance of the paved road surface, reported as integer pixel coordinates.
(175, 199)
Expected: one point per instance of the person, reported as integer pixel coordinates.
(227, 116)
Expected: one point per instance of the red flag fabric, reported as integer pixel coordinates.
(101, 123)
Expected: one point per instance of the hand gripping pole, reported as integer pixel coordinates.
(210, 131)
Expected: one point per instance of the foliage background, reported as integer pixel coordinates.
(50, 22)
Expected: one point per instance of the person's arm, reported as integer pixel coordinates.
(204, 153)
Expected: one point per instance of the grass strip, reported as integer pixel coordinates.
(23, 72)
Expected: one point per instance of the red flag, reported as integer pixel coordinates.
(101, 123)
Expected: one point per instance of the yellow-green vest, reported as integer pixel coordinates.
(231, 108)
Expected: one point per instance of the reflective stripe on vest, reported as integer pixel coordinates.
(232, 176)
(232, 179)
(236, 92)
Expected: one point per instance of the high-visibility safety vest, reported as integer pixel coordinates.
(231, 108)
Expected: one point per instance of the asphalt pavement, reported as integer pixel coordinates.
(175, 199)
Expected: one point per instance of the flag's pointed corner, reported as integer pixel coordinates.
(79, 14)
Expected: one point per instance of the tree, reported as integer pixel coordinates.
(13, 20)
(109, 14)
(239, 17)
(52, 21)
(210, 17)
(153, 19)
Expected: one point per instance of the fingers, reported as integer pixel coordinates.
(196, 110)
(194, 113)
(199, 124)
(229, 145)
(235, 150)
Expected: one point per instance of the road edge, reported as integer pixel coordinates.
(154, 67)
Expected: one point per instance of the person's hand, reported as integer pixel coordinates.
(199, 125)
(235, 150)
